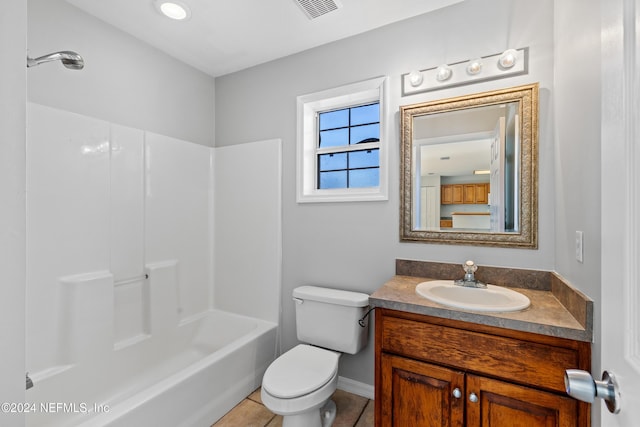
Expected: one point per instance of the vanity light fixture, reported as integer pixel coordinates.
(509, 63)
(173, 9)
(481, 172)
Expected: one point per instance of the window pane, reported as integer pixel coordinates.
(333, 161)
(334, 138)
(364, 159)
(333, 179)
(367, 133)
(365, 114)
(334, 119)
(364, 178)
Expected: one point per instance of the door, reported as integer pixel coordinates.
(432, 208)
(620, 178)
(496, 179)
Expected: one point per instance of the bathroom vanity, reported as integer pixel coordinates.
(439, 366)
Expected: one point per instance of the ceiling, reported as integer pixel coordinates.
(446, 154)
(226, 36)
(456, 158)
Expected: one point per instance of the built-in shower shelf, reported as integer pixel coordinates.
(43, 374)
(130, 341)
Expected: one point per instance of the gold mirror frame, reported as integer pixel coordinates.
(527, 236)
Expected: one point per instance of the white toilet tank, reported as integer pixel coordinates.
(329, 318)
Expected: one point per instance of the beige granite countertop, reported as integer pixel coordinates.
(546, 315)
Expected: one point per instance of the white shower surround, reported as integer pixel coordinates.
(120, 238)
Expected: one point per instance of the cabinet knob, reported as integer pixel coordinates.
(457, 393)
(473, 398)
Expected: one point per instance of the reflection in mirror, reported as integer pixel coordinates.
(469, 169)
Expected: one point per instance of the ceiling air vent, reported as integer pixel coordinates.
(316, 8)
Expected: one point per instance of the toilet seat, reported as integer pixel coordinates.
(300, 371)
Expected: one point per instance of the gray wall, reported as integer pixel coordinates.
(577, 105)
(354, 245)
(13, 26)
(125, 81)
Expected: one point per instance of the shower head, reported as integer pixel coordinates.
(69, 59)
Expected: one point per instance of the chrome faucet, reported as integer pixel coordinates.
(469, 279)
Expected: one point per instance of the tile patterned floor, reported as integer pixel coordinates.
(353, 411)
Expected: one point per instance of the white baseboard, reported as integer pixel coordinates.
(355, 387)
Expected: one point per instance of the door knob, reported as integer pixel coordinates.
(581, 385)
(457, 393)
(473, 398)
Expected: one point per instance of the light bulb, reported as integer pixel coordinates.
(508, 58)
(474, 67)
(443, 73)
(415, 78)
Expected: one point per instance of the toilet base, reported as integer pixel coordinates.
(323, 417)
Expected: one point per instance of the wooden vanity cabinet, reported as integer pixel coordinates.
(439, 372)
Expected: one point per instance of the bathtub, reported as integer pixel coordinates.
(190, 375)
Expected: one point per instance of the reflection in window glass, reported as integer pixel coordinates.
(364, 159)
(335, 179)
(353, 169)
(334, 119)
(333, 161)
(365, 114)
(360, 178)
(367, 133)
(334, 138)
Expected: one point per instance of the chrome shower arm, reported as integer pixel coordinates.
(69, 59)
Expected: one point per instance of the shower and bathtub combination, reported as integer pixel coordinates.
(138, 312)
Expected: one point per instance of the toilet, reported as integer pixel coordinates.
(298, 384)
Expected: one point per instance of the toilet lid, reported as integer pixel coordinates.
(300, 371)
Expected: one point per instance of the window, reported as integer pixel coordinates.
(342, 144)
(348, 147)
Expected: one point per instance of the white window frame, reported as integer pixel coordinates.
(308, 106)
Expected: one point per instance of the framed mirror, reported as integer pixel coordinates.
(469, 169)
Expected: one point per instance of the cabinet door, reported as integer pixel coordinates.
(446, 195)
(457, 197)
(501, 404)
(469, 195)
(420, 394)
(481, 193)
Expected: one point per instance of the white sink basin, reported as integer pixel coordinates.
(489, 299)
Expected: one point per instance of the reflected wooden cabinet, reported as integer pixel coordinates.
(446, 223)
(481, 194)
(459, 194)
(469, 191)
(446, 194)
(439, 372)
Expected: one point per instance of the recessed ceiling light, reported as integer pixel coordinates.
(173, 9)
